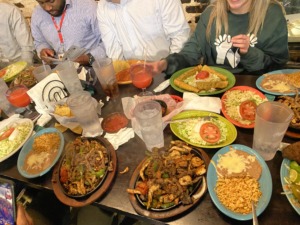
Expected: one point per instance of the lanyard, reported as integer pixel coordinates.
(59, 29)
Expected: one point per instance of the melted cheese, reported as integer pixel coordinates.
(234, 163)
(282, 87)
(36, 161)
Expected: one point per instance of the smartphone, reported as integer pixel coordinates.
(8, 213)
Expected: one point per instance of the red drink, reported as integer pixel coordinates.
(18, 96)
(142, 80)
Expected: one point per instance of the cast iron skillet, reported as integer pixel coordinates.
(65, 191)
(195, 186)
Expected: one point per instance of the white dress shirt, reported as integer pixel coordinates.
(15, 37)
(127, 28)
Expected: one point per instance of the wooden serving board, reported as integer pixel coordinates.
(168, 213)
(97, 194)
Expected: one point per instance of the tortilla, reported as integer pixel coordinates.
(210, 70)
(209, 85)
(60, 127)
(189, 73)
(185, 86)
(77, 130)
(120, 65)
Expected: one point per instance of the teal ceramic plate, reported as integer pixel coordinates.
(28, 147)
(259, 80)
(284, 172)
(231, 135)
(230, 78)
(265, 182)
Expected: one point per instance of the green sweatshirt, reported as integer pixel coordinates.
(267, 52)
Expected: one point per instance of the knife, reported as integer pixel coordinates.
(185, 120)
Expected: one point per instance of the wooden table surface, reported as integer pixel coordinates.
(279, 210)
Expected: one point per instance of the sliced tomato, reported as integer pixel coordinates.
(202, 75)
(2, 73)
(210, 133)
(6, 134)
(247, 110)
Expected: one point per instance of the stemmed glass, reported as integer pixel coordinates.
(141, 76)
(18, 97)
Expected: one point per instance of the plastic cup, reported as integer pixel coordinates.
(271, 122)
(83, 108)
(149, 119)
(5, 105)
(41, 72)
(68, 74)
(106, 74)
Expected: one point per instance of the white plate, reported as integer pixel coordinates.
(20, 121)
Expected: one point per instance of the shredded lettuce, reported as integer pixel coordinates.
(7, 146)
(235, 99)
(192, 80)
(186, 129)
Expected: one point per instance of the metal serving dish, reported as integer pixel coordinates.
(101, 181)
(195, 186)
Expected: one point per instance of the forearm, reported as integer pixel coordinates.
(255, 60)
(99, 51)
(176, 62)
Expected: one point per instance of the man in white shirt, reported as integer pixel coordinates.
(15, 37)
(129, 26)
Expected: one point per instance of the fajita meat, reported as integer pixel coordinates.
(292, 152)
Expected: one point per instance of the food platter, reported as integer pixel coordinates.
(20, 66)
(242, 88)
(131, 62)
(28, 147)
(25, 77)
(265, 181)
(20, 121)
(97, 185)
(230, 78)
(80, 202)
(171, 212)
(231, 135)
(259, 80)
(285, 173)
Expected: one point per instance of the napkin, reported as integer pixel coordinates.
(173, 109)
(121, 137)
(43, 120)
(162, 86)
(36, 93)
(82, 74)
(195, 102)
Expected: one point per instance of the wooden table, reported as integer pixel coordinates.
(279, 210)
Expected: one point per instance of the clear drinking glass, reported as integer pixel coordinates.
(141, 76)
(83, 108)
(68, 74)
(271, 122)
(41, 72)
(5, 105)
(106, 74)
(149, 118)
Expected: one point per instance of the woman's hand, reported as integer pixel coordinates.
(159, 66)
(241, 41)
(22, 217)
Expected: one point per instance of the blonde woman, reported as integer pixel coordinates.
(242, 36)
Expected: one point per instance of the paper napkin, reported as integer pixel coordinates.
(121, 137)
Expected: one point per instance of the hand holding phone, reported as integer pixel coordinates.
(22, 217)
(45, 54)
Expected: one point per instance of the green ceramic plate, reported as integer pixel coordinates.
(230, 78)
(13, 70)
(231, 135)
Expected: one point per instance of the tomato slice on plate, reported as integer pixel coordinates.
(247, 110)
(202, 75)
(2, 73)
(210, 133)
(6, 134)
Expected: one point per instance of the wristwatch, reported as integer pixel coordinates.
(91, 58)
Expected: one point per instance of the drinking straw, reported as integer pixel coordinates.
(145, 56)
(44, 65)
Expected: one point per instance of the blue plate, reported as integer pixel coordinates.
(259, 80)
(265, 182)
(28, 147)
(284, 172)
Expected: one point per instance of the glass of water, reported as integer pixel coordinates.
(83, 108)
(271, 122)
(149, 119)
